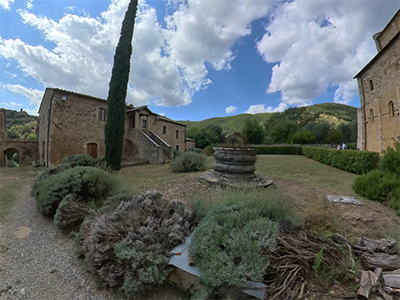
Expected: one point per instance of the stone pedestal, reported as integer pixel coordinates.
(235, 162)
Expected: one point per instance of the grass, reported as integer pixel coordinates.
(139, 179)
(305, 171)
(8, 195)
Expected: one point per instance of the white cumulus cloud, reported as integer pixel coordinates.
(321, 44)
(33, 95)
(6, 3)
(260, 108)
(230, 109)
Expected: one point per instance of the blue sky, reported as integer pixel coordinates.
(194, 59)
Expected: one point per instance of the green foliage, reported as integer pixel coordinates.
(319, 129)
(115, 123)
(189, 161)
(303, 137)
(394, 200)
(26, 128)
(206, 137)
(31, 136)
(152, 268)
(226, 243)
(13, 134)
(84, 160)
(283, 131)
(330, 113)
(217, 129)
(86, 183)
(19, 118)
(318, 260)
(376, 185)
(349, 132)
(209, 150)
(359, 162)
(390, 161)
(352, 146)
(334, 136)
(278, 149)
(253, 131)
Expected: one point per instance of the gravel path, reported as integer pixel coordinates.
(37, 260)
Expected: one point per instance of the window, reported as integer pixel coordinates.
(177, 134)
(177, 147)
(143, 123)
(371, 85)
(391, 109)
(102, 114)
(164, 129)
(371, 115)
(131, 122)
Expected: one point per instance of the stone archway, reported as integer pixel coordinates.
(7, 151)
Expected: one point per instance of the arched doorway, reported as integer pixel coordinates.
(11, 157)
(92, 149)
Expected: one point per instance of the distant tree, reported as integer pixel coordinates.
(116, 107)
(192, 132)
(283, 131)
(349, 132)
(303, 137)
(31, 136)
(26, 128)
(319, 129)
(334, 136)
(217, 129)
(253, 131)
(205, 138)
(13, 134)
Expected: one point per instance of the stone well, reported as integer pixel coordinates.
(235, 164)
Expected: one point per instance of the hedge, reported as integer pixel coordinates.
(359, 162)
(278, 149)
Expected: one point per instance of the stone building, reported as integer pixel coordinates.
(71, 123)
(27, 150)
(379, 88)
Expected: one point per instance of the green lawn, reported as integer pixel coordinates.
(306, 171)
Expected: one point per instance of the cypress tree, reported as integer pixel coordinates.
(116, 107)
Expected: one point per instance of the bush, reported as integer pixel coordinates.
(189, 161)
(86, 183)
(352, 146)
(278, 149)
(303, 137)
(226, 243)
(359, 162)
(209, 150)
(394, 200)
(84, 160)
(130, 246)
(376, 185)
(390, 161)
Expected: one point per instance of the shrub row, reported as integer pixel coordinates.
(359, 162)
(278, 149)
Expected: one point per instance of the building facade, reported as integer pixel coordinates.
(379, 89)
(71, 123)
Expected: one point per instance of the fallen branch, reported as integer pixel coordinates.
(368, 283)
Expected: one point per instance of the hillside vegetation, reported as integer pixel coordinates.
(21, 117)
(333, 113)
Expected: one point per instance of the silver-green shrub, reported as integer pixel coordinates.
(189, 161)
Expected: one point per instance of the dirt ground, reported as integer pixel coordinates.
(370, 219)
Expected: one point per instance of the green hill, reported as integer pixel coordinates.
(333, 113)
(21, 117)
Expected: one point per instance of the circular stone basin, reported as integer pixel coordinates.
(235, 162)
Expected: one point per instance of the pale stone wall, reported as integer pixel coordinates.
(174, 133)
(27, 150)
(389, 31)
(380, 86)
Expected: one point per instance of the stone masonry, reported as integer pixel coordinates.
(379, 87)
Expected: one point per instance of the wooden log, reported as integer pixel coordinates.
(384, 245)
(368, 283)
(392, 279)
(380, 260)
(385, 295)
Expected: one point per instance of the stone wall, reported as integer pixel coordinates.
(379, 85)
(389, 31)
(27, 151)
